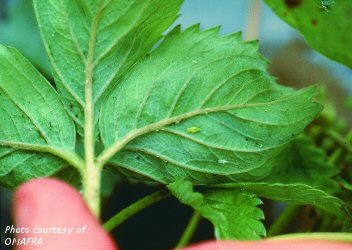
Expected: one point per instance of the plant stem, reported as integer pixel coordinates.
(345, 237)
(72, 158)
(284, 220)
(134, 208)
(91, 182)
(190, 230)
(336, 156)
(349, 137)
(339, 139)
(91, 188)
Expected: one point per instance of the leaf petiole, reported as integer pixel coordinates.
(339, 139)
(91, 180)
(134, 208)
(190, 230)
(71, 157)
(284, 220)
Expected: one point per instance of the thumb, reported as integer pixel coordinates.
(57, 218)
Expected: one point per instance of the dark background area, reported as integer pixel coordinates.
(157, 227)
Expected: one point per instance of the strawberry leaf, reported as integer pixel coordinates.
(233, 213)
(33, 119)
(202, 107)
(292, 193)
(302, 162)
(98, 41)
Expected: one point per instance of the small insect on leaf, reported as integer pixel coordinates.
(222, 161)
(193, 130)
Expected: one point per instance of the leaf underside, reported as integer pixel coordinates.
(198, 106)
(302, 162)
(301, 174)
(202, 107)
(122, 32)
(32, 117)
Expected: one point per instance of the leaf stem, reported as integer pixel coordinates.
(91, 188)
(118, 145)
(344, 237)
(336, 156)
(284, 220)
(91, 180)
(339, 139)
(134, 208)
(71, 157)
(190, 230)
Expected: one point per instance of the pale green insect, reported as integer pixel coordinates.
(193, 130)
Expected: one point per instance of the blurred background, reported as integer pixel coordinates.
(292, 62)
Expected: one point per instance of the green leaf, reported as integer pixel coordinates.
(302, 162)
(33, 119)
(325, 24)
(98, 41)
(301, 174)
(109, 180)
(218, 85)
(292, 193)
(233, 213)
(70, 176)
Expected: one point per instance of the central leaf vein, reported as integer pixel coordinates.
(117, 146)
